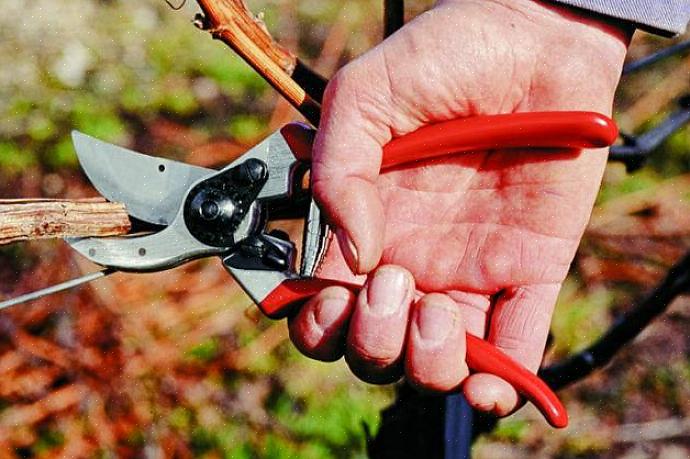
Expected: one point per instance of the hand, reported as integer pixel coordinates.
(476, 242)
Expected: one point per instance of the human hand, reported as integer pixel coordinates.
(477, 242)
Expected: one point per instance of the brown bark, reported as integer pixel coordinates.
(231, 22)
(27, 219)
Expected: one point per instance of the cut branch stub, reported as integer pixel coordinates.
(28, 219)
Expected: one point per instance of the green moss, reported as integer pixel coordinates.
(102, 125)
(334, 418)
(135, 99)
(136, 438)
(275, 447)
(232, 74)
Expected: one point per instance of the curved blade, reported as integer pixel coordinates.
(152, 189)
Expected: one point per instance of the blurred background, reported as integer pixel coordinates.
(180, 364)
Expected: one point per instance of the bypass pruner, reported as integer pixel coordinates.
(193, 212)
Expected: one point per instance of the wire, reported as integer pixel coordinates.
(178, 7)
(624, 330)
(678, 48)
(56, 288)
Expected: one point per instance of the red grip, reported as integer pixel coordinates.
(477, 133)
(482, 357)
(516, 130)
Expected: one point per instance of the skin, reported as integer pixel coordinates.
(477, 242)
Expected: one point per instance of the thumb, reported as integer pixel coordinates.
(346, 161)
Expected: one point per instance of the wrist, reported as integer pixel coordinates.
(611, 28)
(565, 42)
(605, 28)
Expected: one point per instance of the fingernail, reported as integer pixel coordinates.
(329, 311)
(435, 323)
(348, 248)
(387, 291)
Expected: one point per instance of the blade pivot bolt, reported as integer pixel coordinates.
(209, 210)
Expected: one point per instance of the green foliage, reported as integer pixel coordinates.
(96, 118)
(579, 318)
(512, 430)
(333, 420)
(48, 440)
(62, 154)
(202, 440)
(246, 128)
(673, 158)
(585, 445)
(179, 99)
(630, 183)
(13, 160)
(180, 418)
(40, 129)
(205, 351)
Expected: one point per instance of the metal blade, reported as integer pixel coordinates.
(154, 252)
(152, 189)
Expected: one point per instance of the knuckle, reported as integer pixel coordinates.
(314, 344)
(380, 357)
(394, 269)
(343, 84)
(321, 190)
(374, 370)
(347, 76)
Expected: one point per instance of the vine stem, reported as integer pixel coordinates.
(231, 22)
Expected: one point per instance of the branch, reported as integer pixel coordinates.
(231, 22)
(393, 16)
(28, 219)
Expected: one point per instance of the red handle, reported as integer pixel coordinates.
(515, 130)
(532, 130)
(482, 357)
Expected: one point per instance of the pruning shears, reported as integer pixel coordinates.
(194, 212)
